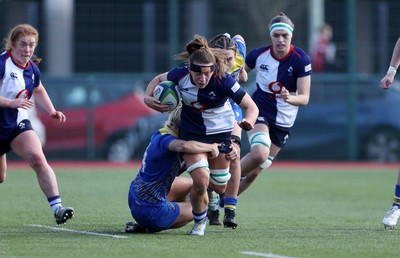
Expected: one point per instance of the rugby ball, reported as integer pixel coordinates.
(167, 93)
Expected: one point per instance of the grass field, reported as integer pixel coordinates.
(291, 211)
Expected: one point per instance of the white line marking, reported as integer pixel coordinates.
(76, 231)
(268, 255)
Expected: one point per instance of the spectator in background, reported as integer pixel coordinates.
(19, 82)
(323, 51)
(393, 214)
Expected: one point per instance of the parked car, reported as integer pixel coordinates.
(334, 121)
(99, 114)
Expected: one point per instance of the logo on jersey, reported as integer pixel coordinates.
(13, 75)
(290, 71)
(275, 87)
(22, 94)
(212, 95)
(264, 67)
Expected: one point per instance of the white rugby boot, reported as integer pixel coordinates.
(391, 217)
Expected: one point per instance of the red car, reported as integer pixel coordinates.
(99, 115)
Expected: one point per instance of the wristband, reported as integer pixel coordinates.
(391, 70)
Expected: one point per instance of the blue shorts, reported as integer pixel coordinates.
(278, 134)
(154, 217)
(5, 143)
(237, 111)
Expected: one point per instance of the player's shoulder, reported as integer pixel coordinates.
(300, 52)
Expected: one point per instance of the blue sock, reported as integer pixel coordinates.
(396, 198)
(55, 202)
(199, 216)
(230, 203)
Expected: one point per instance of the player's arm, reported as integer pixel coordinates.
(44, 101)
(16, 103)
(251, 110)
(194, 147)
(303, 92)
(388, 79)
(149, 100)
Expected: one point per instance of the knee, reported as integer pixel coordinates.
(259, 158)
(199, 187)
(36, 161)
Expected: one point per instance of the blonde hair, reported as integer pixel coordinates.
(197, 50)
(174, 119)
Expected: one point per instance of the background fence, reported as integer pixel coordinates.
(123, 44)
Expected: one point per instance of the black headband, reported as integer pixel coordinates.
(202, 69)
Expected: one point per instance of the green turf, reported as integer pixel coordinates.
(330, 213)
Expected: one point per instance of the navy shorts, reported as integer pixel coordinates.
(154, 217)
(278, 134)
(225, 139)
(5, 143)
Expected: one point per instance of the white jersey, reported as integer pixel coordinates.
(272, 75)
(15, 82)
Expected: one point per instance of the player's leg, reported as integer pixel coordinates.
(185, 215)
(251, 177)
(230, 198)
(393, 214)
(180, 189)
(259, 149)
(3, 168)
(198, 168)
(27, 145)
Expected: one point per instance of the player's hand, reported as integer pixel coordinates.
(214, 151)
(285, 95)
(21, 103)
(155, 104)
(387, 81)
(232, 155)
(245, 125)
(60, 116)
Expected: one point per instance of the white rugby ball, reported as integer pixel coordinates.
(167, 93)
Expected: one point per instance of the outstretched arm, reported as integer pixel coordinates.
(194, 147)
(44, 101)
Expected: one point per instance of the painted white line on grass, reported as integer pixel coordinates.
(76, 231)
(268, 255)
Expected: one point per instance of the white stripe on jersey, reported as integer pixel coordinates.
(219, 120)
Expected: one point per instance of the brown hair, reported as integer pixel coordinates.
(197, 50)
(281, 17)
(223, 42)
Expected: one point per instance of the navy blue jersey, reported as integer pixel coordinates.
(271, 75)
(206, 111)
(15, 82)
